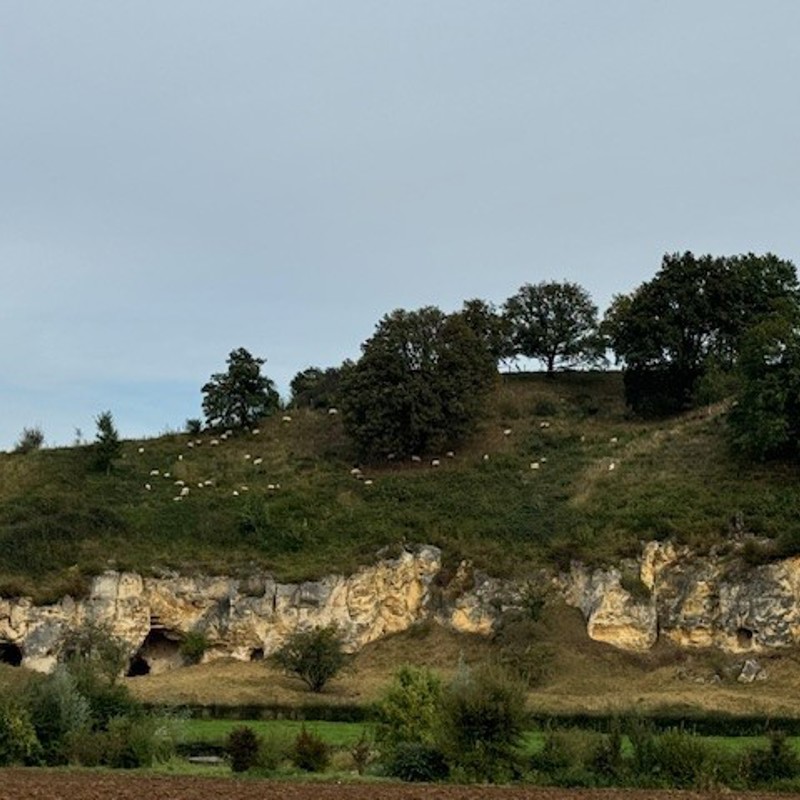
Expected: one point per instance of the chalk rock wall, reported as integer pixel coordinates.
(241, 619)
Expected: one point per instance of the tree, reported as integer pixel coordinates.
(30, 439)
(240, 396)
(690, 318)
(555, 323)
(314, 655)
(483, 719)
(107, 445)
(409, 709)
(765, 419)
(419, 384)
(316, 388)
(492, 328)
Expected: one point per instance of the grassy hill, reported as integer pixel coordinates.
(284, 498)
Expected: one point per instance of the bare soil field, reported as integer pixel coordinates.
(33, 784)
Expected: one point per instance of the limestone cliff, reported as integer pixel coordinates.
(670, 592)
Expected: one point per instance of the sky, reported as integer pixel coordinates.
(181, 178)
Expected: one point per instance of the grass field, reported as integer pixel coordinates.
(61, 522)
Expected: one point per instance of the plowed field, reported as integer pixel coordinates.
(32, 784)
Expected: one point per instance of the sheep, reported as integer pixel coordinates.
(450, 454)
(154, 472)
(612, 466)
(544, 424)
(245, 488)
(180, 483)
(235, 493)
(613, 440)
(190, 444)
(257, 462)
(214, 442)
(167, 475)
(184, 491)
(208, 482)
(485, 456)
(148, 487)
(286, 418)
(416, 459)
(333, 411)
(355, 472)
(435, 462)
(256, 431)
(247, 456)
(391, 456)
(198, 441)
(507, 432)
(228, 433)
(543, 459)
(200, 484)
(180, 456)
(140, 450)
(534, 465)
(271, 487)
(177, 499)
(368, 483)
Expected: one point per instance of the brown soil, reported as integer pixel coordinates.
(33, 784)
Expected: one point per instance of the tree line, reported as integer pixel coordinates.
(703, 329)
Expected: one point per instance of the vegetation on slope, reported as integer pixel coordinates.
(603, 484)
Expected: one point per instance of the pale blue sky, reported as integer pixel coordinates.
(179, 178)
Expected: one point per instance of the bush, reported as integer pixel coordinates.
(194, 426)
(362, 752)
(409, 708)
(310, 753)
(315, 656)
(567, 757)
(684, 761)
(137, 741)
(518, 649)
(482, 722)
(272, 752)
(193, 646)
(777, 762)
(417, 761)
(30, 439)
(18, 742)
(243, 747)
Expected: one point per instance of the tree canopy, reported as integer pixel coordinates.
(690, 317)
(555, 323)
(240, 396)
(419, 384)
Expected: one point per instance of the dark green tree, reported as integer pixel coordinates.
(764, 421)
(107, 446)
(316, 388)
(419, 385)
(30, 439)
(490, 326)
(314, 655)
(240, 396)
(555, 323)
(689, 319)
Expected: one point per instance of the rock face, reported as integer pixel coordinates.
(241, 619)
(693, 601)
(668, 592)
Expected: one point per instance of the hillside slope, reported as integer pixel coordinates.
(555, 471)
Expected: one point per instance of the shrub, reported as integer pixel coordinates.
(482, 723)
(567, 757)
(777, 762)
(137, 741)
(193, 646)
(409, 708)
(30, 439)
(518, 649)
(18, 742)
(361, 752)
(417, 761)
(243, 746)
(194, 426)
(310, 753)
(314, 655)
(272, 752)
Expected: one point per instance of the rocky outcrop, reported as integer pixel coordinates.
(241, 619)
(669, 592)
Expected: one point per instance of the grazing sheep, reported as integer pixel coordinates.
(214, 442)
(333, 411)
(507, 432)
(177, 499)
(435, 462)
(543, 459)
(198, 441)
(180, 483)
(167, 475)
(534, 465)
(485, 456)
(148, 487)
(154, 472)
(190, 444)
(450, 454)
(257, 462)
(355, 472)
(141, 450)
(271, 487)
(180, 456)
(247, 456)
(368, 483)
(612, 466)
(416, 459)
(235, 493)
(208, 482)
(613, 440)
(391, 456)
(286, 418)
(200, 485)
(256, 431)
(245, 488)
(185, 491)
(229, 432)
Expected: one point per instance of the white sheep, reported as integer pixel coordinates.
(177, 499)
(167, 475)
(247, 456)
(613, 440)
(141, 450)
(543, 459)
(235, 493)
(507, 432)
(416, 459)
(612, 466)
(180, 456)
(184, 491)
(180, 483)
(214, 442)
(148, 487)
(245, 488)
(450, 454)
(485, 456)
(355, 472)
(333, 411)
(228, 432)
(190, 444)
(368, 483)
(286, 418)
(544, 424)
(435, 462)
(271, 487)
(200, 484)
(256, 431)
(257, 462)
(208, 482)
(154, 472)
(534, 465)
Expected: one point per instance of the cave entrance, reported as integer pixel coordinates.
(160, 652)
(257, 654)
(744, 638)
(10, 654)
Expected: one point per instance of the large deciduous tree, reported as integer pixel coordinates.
(419, 384)
(555, 323)
(240, 396)
(690, 318)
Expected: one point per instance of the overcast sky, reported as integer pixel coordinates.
(179, 178)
